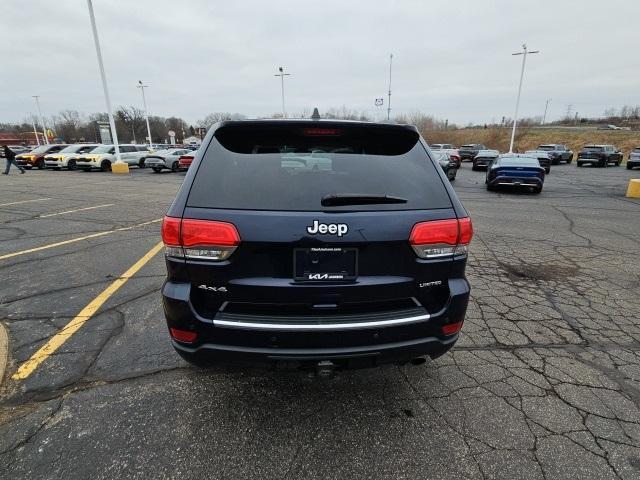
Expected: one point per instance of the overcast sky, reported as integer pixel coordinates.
(452, 58)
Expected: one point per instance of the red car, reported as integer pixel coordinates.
(35, 158)
(185, 161)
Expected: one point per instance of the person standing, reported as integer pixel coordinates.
(10, 156)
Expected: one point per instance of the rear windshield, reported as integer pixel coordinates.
(292, 167)
(546, 148)
(524, 161)
(636, 150)
(593, 149)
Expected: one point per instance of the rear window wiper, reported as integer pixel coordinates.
(338, 199)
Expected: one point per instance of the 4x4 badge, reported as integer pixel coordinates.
(213, 289)
(339, 229)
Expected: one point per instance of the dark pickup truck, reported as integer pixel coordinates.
(470, 150)
(557, 152)
(599, 155)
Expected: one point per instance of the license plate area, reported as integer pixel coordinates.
(325, 264)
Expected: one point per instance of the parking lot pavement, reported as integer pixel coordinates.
(544, 382)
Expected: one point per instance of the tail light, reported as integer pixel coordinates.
(441, 238)
(184, 336)
(199, 239)
(451, 328)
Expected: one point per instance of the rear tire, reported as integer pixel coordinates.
(105, 166)
(537, 190)
(629, 167)
(174, 166)
(578, 164)
(141, 163)
(474, 168)
(156, 170)
(40, 165)
(71, 165)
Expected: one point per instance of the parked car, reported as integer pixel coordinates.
(634, 159)
(441, 146)
(66, 158)
(165, 159)
(557, 152)
(448, 165)
(515, 170)
(274, 260)
(17, 149)
(543, 159)
(35, 158)
(470, 150)
(483, 159)
(103, 156)
(599, 155)
(609, 127)
(185, 161)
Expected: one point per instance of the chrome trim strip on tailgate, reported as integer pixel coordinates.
(325, 326)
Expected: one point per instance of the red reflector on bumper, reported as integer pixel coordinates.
(452, 328)
(185, 336)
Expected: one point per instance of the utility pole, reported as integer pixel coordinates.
(35, 132)
(144, 103)
(389, 101)
(524, 54)
(44, 127)
(103, 76)
(546, 106)
(282, 75)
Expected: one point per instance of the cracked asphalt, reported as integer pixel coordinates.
(543, 384)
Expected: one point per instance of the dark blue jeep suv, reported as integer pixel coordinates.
(299, 243)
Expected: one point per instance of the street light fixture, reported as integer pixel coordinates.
(282, 75)
(524, 54)
(112, 123)
(144, 102)
(546, 106)
(35, 132)
(44, 127)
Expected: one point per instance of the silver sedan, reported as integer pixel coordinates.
(165, 159)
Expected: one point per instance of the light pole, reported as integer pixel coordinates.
(282, 75)
(44, 127)
(389, 101)
(35, 132)
(144, 102)
(546, 106)
(112, 123)
(524, 54)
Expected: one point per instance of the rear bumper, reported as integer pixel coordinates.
(516, 182)
(366, 341)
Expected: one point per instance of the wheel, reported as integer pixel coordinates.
(570, 159)
(141, 163)
(628, 166)
(604, 164)
(547, 171)
(474, 168)
(174, 166)
(105, 166)
(490, 188)
(537, 190)
(156, 169)
(617, 164)
(578, 164)
(40, 164)
(71, 165)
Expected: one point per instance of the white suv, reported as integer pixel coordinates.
(66, 158)
(104, 155)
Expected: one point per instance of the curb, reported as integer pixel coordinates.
(4, 350)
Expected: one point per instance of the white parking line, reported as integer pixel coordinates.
(76, 210)
(24, 201)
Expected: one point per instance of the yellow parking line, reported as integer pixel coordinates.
(76, 210)
(74, 240)
(55, 342)
(24, 201)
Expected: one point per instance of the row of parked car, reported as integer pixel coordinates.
(86, 156)
(529, 168)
